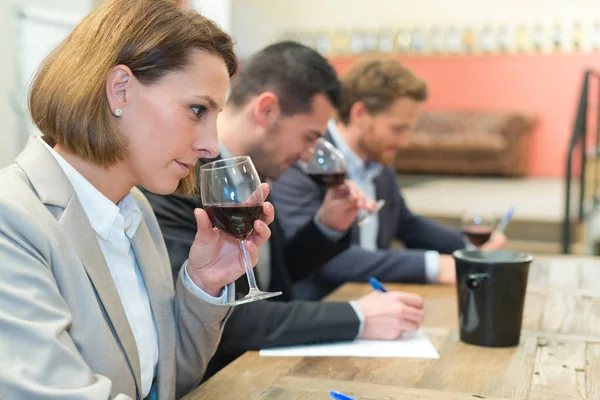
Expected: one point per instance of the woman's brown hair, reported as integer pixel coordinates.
(68, 99)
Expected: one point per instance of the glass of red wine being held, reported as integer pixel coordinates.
(478, 227)
(327, 168)
(233, 199)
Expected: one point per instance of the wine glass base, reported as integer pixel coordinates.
(254, 296)
(367, 215)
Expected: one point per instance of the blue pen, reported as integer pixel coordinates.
(340, 396)
(375, 284)
(505, 219)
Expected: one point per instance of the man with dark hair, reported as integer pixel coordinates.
(381, 101)
(298, 91)
(295, 85)
(279, 105)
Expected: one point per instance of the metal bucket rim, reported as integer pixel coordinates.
(520, 257)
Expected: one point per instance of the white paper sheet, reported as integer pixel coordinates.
(410, 345)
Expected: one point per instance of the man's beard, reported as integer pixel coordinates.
(263, 162)
(262, 159)
(371, 148)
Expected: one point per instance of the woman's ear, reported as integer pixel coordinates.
(118, 84)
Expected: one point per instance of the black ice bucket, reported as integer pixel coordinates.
(491, 288)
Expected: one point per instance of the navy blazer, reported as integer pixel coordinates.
(296, 199)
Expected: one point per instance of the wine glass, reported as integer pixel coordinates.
(477, 227)
(327, 168)
(233, 199)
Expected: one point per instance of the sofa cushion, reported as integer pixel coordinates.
(465, 141)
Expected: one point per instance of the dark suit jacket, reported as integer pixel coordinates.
(279, 321)
(296, 198)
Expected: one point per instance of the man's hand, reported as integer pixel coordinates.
(497, 241)
(388, 315)
(215, 258)
(341, 205)
(447, 273)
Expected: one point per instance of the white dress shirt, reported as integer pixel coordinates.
(114, 226)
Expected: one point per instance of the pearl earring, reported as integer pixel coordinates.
(118, 112)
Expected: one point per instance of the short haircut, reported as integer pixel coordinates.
(68, 99)
(378, 82)
(294, 72)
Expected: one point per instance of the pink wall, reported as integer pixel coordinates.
(546, 85)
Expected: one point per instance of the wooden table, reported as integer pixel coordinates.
(558, 358)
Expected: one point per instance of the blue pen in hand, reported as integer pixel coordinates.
(340, 396)
(505, 219)
(375, 284)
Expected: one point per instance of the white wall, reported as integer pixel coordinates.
(217, 10)
(256, 23)
(10, 144)
(11, 137)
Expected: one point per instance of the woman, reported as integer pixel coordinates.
(87, 309)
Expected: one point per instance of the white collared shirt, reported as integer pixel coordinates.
(364, 175)
(115, 226)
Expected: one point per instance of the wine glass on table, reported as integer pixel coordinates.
(478, 227)
(233, 199)
(327, 168)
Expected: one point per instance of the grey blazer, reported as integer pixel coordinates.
(63, 330)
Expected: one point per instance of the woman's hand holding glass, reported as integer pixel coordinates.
(215, 259)
(233, 197)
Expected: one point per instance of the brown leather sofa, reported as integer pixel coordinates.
(467, 143)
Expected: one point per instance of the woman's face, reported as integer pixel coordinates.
(170, 124)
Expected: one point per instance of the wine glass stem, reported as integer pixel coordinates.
(248, 265)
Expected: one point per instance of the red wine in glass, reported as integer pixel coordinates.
(233, 199)
(235, 220)
(478, 227)
(477, 235)
(327, 168)
(328, 179)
